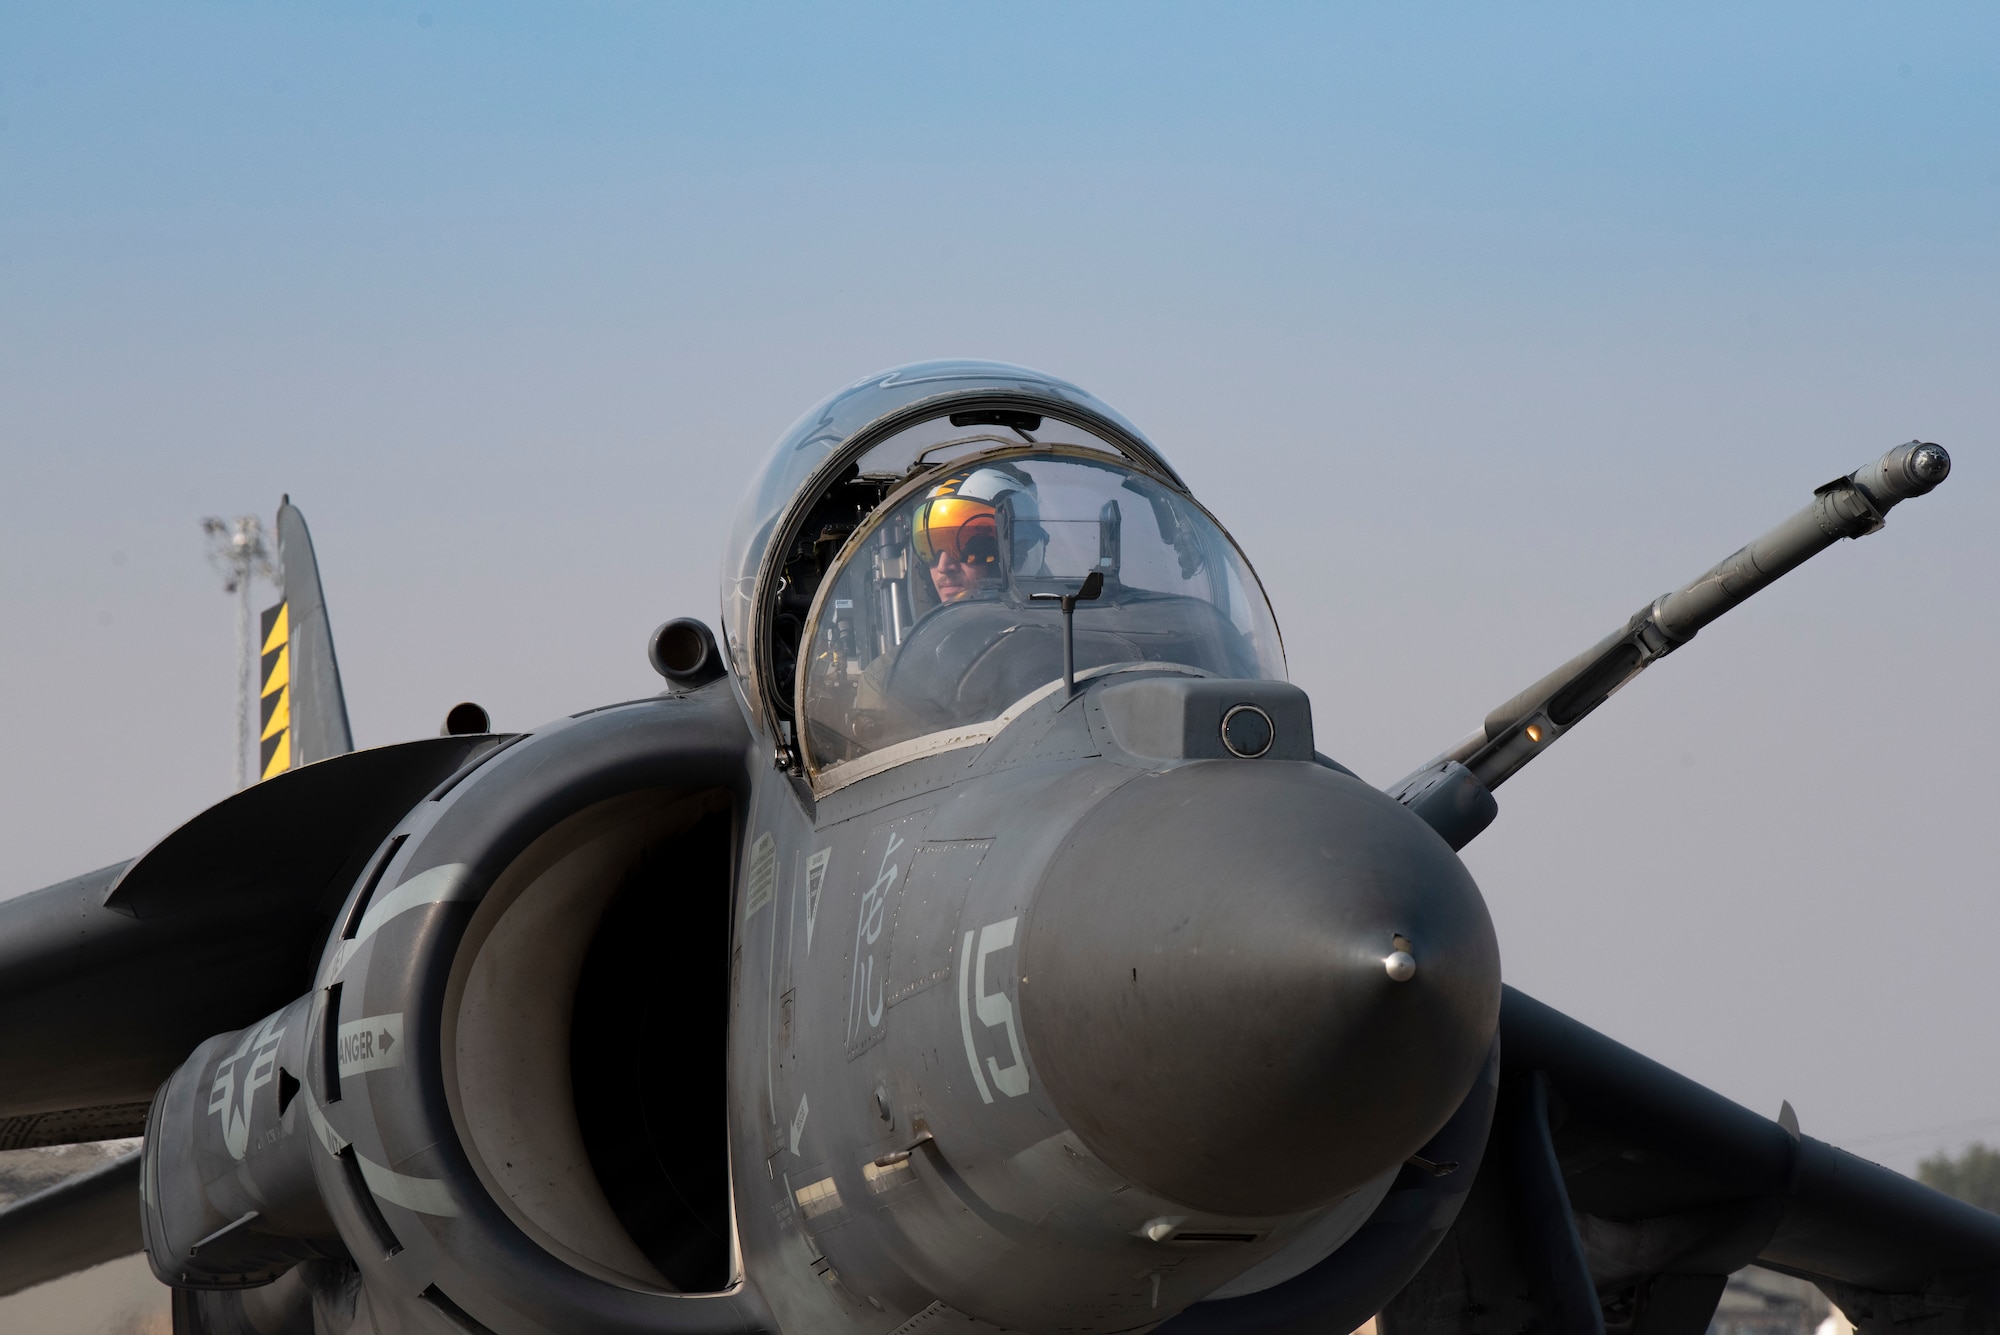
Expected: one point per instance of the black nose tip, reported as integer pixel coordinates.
(1252, 988)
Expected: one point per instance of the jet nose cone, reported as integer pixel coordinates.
(1251, 987)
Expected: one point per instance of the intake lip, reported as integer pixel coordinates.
(1204, 992)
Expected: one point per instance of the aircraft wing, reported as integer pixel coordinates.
(91, 1218)
(109, 980)
(1616, 1194)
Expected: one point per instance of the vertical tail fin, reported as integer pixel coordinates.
(304, 712)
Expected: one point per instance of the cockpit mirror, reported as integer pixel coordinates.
(1020, 422)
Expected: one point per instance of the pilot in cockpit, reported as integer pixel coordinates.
(955, 530)
(955, 536)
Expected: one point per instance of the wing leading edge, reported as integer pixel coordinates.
(91, 1218)
(1617, 1196)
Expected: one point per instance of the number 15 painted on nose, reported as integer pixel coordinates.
(995, 1011)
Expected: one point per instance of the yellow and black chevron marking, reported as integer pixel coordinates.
(276, 756)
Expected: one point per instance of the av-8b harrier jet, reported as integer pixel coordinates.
(972, 939)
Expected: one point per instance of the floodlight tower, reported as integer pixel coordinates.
(236, 549)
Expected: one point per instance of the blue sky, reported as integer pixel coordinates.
(1479, 326)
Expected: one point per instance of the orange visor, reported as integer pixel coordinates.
(966, 530)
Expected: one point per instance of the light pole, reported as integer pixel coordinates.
(236, 549)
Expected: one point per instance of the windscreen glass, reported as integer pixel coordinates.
(930, 622)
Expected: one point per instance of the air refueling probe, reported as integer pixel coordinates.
(1454, 791)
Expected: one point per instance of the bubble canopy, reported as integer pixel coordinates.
(928, 621)
(872, 442)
